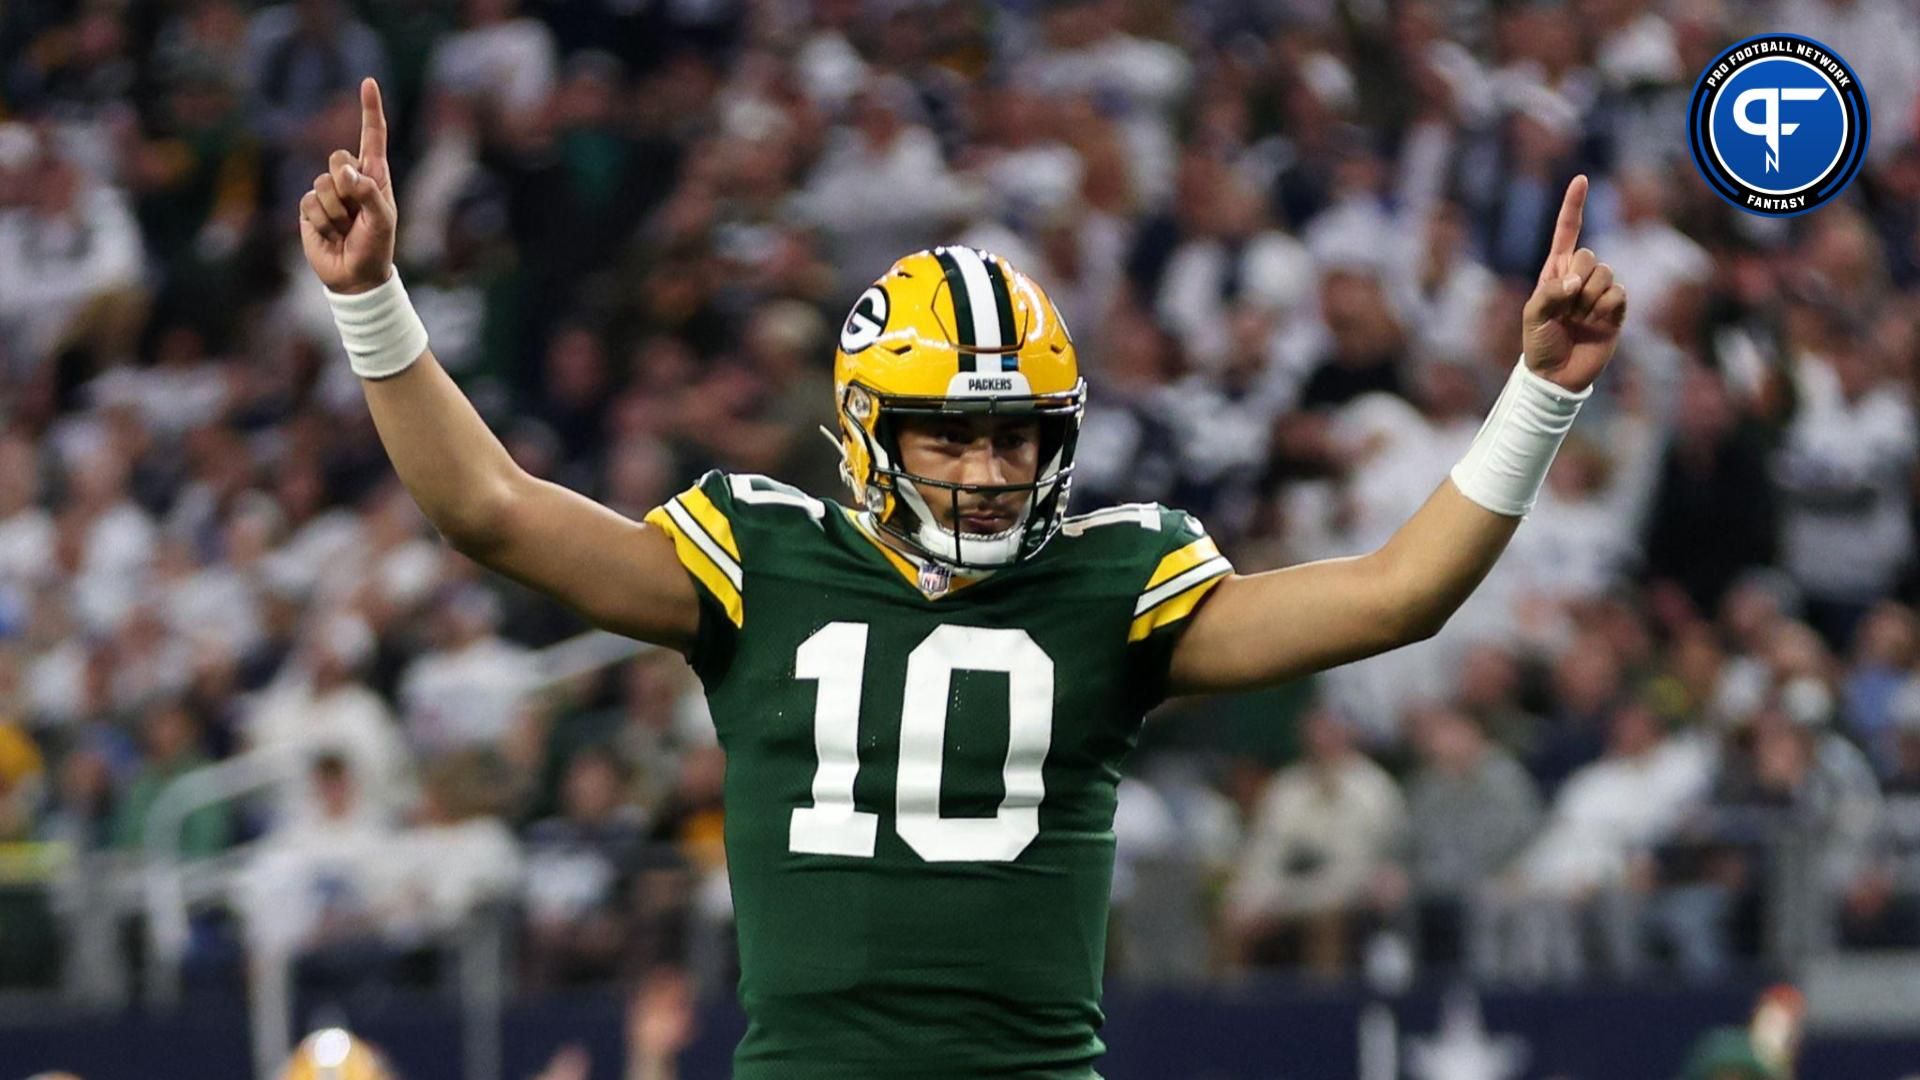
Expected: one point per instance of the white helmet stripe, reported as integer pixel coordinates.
(986, 316)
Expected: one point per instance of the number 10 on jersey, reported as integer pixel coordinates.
(835, 657)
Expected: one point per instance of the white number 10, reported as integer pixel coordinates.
(835, 657)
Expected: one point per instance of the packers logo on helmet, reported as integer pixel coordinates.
(955, 331)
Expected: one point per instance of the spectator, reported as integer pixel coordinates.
(462, 859)
(1593, 856)
(1086, 49)
(330, 885)
(1667, 268)
(1444, 290)
(70, 264)
(1516, 205)
(1586, 688)
(1796, 768)
(1844, 478)
(1366, 347)
(881, 186)
(197, 180)
(1234, 259)
(1489, 692)
(1876, 695)
(171, 750)
(581, 870)
(22, 781)
(1320, 857)
(26, 528)
(471, 689)
(1585, 538)
(303, 55)
(1128, 445)
(1713, 513)
(318, 704)
(1471, 809)
(500, 57)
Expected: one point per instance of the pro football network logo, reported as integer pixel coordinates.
(1778, 124)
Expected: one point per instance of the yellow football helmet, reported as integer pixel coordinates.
(952, 331)
(335, 1054)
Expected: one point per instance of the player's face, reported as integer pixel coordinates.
(978, 451)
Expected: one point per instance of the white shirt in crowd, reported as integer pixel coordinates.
(1151, 77)
(1276, 274)
(350, 720)
(1658, 258)
(513, 62)
(49, 267)
(1610, 810)
(466, 697)
(1346, 819)
(26, 547)
(309, 875)
(1844, 473)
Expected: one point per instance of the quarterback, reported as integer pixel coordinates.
(925, 696)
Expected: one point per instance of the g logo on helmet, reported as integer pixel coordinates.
(866, 322)
(1778, 124)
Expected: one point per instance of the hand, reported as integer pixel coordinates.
(660, 1017)
(347, 221)
(1572, 321)
(570, 1062)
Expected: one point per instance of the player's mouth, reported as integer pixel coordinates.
(986, 522)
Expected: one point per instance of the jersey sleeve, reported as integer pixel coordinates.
(1186, 566)
(701, 522)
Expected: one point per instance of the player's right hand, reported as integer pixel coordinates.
(347, 221)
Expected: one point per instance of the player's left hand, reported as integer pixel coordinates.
(1572, 321)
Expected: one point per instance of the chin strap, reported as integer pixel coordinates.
(840, 452)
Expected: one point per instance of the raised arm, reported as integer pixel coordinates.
(1264, 628)
(619, 574)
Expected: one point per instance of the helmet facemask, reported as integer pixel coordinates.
(901, 511)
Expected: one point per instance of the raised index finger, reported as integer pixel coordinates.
(373, 125)
(1566, 231)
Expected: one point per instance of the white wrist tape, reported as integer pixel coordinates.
(1508, 461)
(381, 331)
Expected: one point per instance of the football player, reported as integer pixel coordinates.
(925, 697)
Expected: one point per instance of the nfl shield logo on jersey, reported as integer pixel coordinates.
(935, 578)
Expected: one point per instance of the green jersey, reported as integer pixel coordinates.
(921, 775)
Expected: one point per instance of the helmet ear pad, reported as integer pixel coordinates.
(865, 465)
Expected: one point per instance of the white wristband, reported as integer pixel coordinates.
(1509, 459)
(382, 333)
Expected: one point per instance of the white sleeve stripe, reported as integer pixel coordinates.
(704, 542)
(1145, 515)
(1174, 586)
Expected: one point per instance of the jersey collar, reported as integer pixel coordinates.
(931, 579)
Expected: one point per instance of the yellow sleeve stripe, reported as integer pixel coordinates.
(702, 556)
(710, 518)
(1177, 598)
(1184, 559)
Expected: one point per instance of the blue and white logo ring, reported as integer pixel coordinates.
(1778, 124)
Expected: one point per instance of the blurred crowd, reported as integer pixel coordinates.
(1292, 238)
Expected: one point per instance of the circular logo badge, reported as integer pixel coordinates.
(1778, 124)
(866, 322)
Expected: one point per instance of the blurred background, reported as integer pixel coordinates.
(271, 755)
